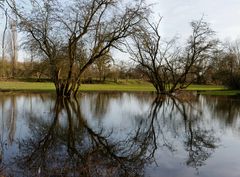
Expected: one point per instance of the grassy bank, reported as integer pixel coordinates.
(49, 87)
(26, 86)
(131, 85)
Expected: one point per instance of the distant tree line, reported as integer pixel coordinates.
(39, 71)
(221, 69)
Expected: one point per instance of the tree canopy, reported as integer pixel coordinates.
(170, 67)
(73, 35)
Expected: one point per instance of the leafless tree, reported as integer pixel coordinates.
(225, 64)
(169, 67)
(73, 35)
(13, 47)
(4, 34)
(103, 66)
(9, 39)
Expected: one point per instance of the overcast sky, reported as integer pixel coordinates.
(223, 15)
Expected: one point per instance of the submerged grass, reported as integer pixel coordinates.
(130, 85)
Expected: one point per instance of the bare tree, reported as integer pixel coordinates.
(168, 67)
(103, 66)
(9, 39)
(13, 47)
(73, 36)
(4, 35)
(226, 64)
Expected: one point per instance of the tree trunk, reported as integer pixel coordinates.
(67, 90)
(3, 43)
(14, 47)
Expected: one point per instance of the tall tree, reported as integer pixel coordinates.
(73, 35)
(13, 47)
(3, 35)
(9, 43)
(226, 64)
(103, 66)
(169, 67)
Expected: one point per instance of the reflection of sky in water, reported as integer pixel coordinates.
(123, 114)
(15, 122)
(120, 116)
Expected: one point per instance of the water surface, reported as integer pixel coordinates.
(119, 134)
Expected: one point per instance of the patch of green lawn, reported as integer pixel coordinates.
(205, 87)
(213, 90)
(49, 87)
(26, 86)
(131, 85)
(117, 87)
(221, 92)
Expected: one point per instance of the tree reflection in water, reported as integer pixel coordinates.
(74, 148)
(183, 120)
(228, 113)
(200, 141)
(77, 150)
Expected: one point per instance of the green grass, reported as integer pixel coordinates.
(49, 87)
(206, 87)
(122, 85)
(27, 86)
(221, 92)
(117, 87)
(214, 90)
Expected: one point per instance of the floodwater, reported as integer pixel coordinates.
(119, 134)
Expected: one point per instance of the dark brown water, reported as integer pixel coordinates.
(119, 134)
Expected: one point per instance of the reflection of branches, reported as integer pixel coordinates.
(100, 103)
(200, 142)
(169, 114)
(228, 113)
(37, 159)
(150, 131)
(68, 146)
(77, 148)
(10, 114)
(11, 123)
